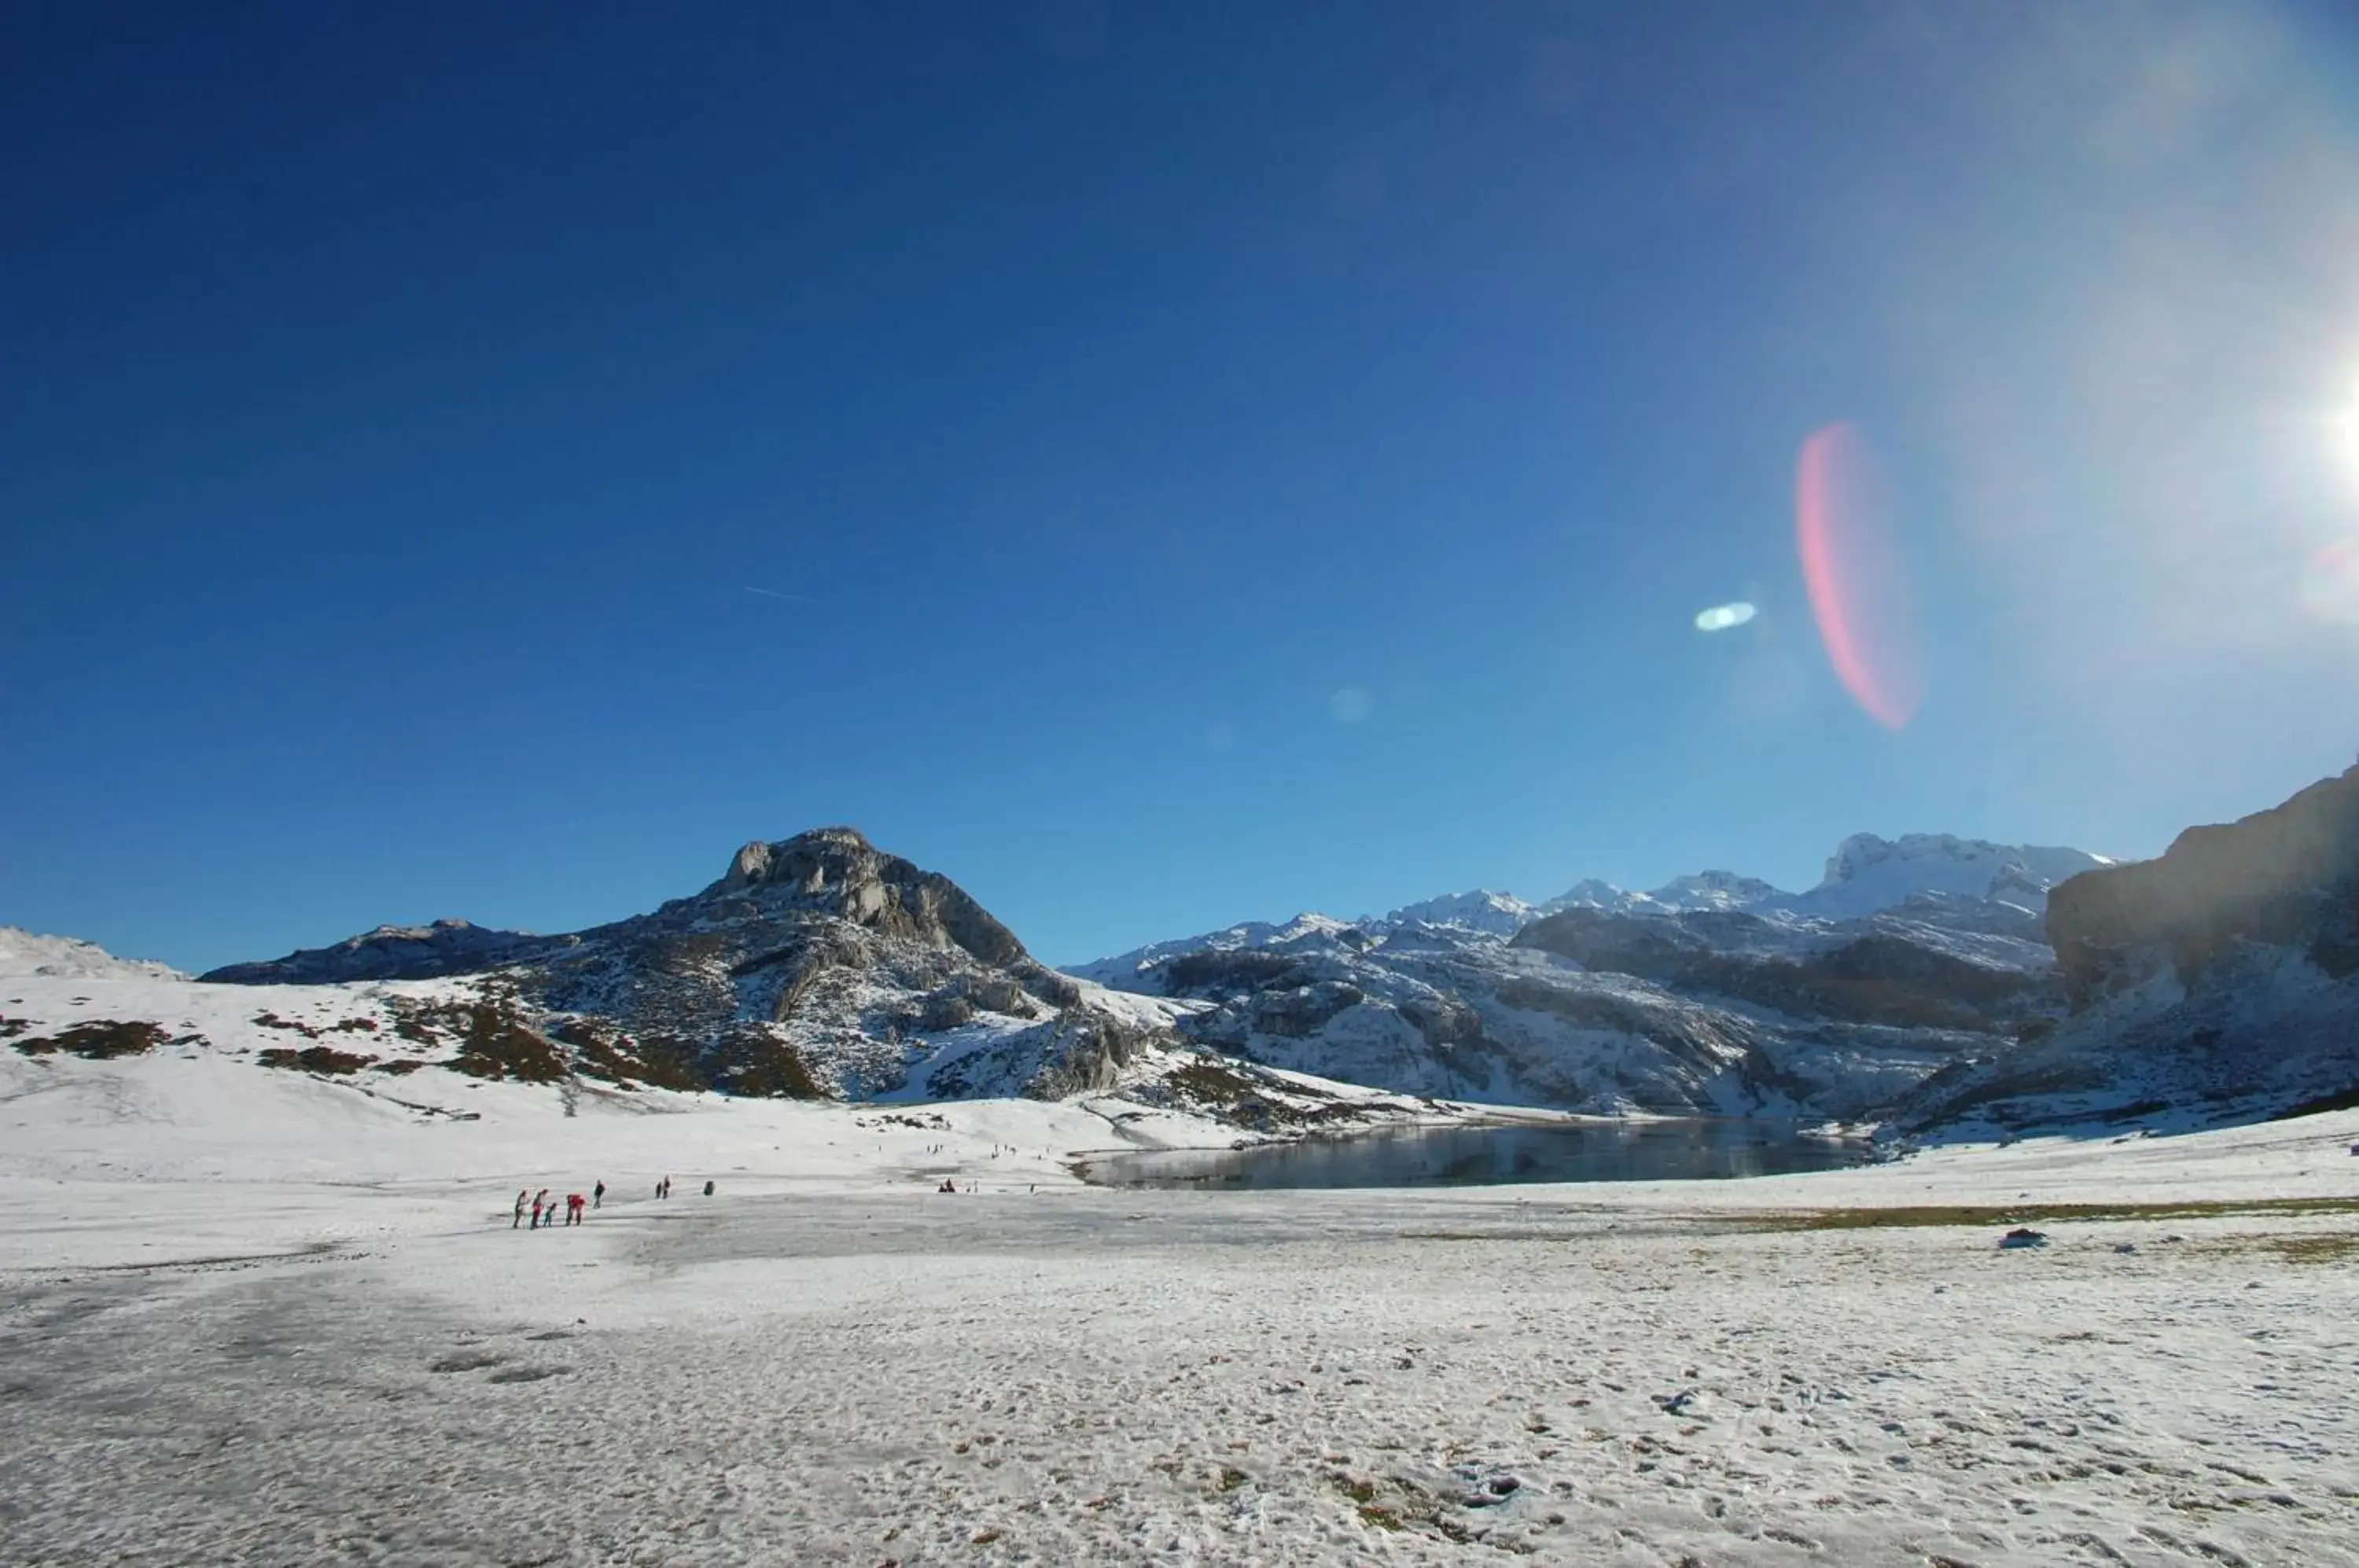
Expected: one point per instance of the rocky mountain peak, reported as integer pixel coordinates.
(837, 871)
(1862, 851)
(1714, 891)
(1501, 914)
(809, 862)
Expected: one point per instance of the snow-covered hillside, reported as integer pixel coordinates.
(815, 968)
(25, 953)
(380, 1080)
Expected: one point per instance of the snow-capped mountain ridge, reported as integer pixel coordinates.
(1866, 875)
(1716, 992)
(1503, 914)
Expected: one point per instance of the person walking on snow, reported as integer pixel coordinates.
(574, 1203)
(522, 1198)
(546, 1210)
(598, 1194)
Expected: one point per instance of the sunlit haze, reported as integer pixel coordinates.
(1159, 465)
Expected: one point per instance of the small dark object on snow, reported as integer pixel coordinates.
(2125, 1246)
(2022, 1235)
(708, 1189)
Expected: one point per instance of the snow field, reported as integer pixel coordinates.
(1089, 1377)
(830, 1365)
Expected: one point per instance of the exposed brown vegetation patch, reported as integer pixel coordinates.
(753, 1062)
(494, 1040)
(272, 1021)
(100, 1040)
(746, 1060)
(604, 1051)
(2342, 1248)
(2033, 1214)
(324, 1058)
(401, 1066)
(1210, 1085)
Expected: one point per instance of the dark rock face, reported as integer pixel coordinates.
(817, 964)
(1874, 977)
(2285, 877)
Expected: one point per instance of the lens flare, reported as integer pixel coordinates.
(2330, 581)
(1858, 584)
(1719, 617)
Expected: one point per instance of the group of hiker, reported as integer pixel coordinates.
(539, 1211)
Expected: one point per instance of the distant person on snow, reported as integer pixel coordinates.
(545, 1209)
(536, 1212)
(598, 1194)
(574, 1203)
(523, 1197)
(708, 1186)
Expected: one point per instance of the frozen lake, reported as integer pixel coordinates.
(1685, 1149)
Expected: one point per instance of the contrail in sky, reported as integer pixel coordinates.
(774, 593)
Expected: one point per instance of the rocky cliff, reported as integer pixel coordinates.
(2287, 877)
(2220, 982)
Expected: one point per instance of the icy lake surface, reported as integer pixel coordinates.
(1685, 1149)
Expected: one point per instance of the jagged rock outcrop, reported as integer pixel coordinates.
(838, 871)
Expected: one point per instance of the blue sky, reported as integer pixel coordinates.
(1159, 464)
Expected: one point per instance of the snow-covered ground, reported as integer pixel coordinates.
(250, 1316)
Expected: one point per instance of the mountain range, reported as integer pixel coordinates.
(1928, 982)
(1715, 993)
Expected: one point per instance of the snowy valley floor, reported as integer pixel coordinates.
(829, 1363)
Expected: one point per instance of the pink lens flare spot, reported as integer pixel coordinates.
(2330, 581)
(1858, 581)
